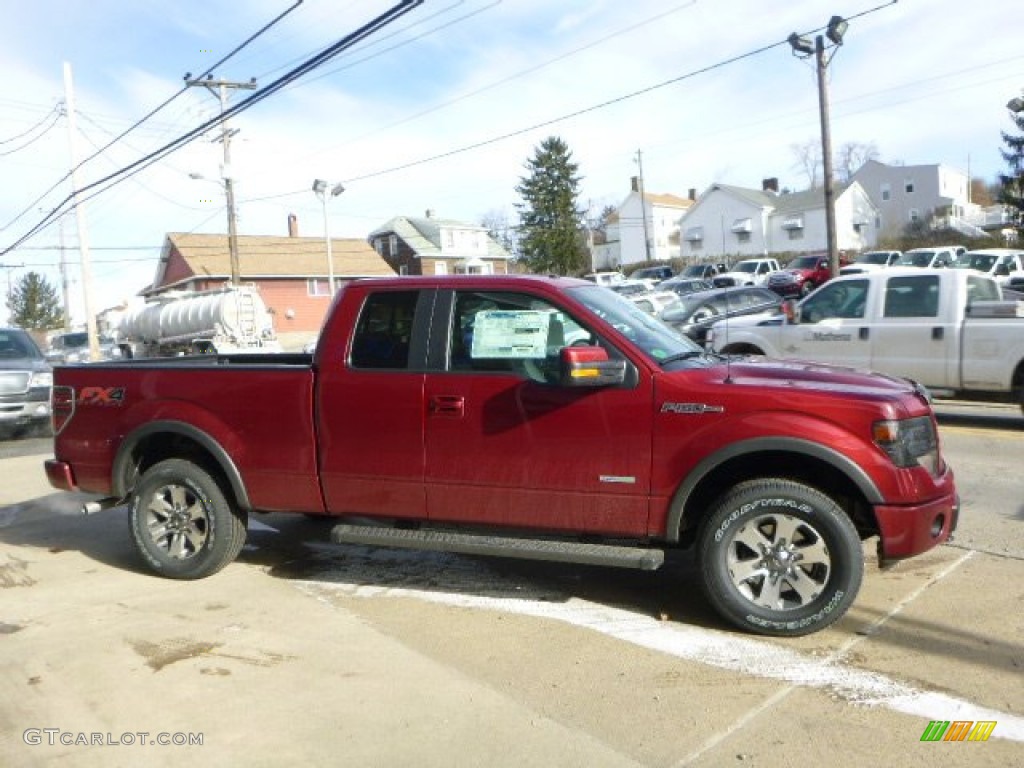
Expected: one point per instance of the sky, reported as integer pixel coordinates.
(441, 108)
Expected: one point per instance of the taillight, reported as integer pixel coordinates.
(62, 407)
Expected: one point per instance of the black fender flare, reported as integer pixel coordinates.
(795, 445)
(123, 460)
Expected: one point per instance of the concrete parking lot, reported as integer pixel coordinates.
(304, 652)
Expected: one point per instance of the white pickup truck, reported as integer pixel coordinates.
(945, 328)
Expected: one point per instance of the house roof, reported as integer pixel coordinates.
(266, 256)
(807, 199)
(667, 200)
(423, 235)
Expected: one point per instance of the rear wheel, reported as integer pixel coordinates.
(780, 558)
(182, 523)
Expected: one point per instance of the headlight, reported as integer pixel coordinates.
(909, 442)
(44, 379)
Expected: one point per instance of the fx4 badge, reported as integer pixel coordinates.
(101, 396)
(690, 408)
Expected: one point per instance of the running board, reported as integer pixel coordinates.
(641, 558)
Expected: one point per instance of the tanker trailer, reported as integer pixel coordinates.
(228, 320)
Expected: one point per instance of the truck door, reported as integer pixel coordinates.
(370, 409)
(506, 444)
(833, 326)
(911, 339)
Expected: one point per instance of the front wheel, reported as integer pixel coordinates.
(780, 558)
(807, 288)
(182, 523)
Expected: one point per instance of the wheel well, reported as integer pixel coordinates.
(160, 446)
(1017, 383)
(741, 348)
(801, 468)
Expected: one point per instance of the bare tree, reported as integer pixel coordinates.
(808, 161)
(851, 156)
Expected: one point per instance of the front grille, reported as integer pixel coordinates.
(14, 382)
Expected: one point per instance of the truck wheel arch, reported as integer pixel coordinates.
(129, 462)
(696, 483)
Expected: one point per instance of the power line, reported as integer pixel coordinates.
(132, 127)
(324, 56)
(55, 112)
(30, 142)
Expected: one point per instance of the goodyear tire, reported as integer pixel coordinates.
(779, 558)
(182, 523)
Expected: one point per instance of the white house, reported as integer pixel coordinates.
(935, 195)
(737, 221)
(645, 227)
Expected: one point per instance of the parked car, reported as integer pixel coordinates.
(657, 274)
(25, 382)
(703, 271)
(655, 302)
(683, 285)
(697, 312)
(869, 261)
(74, 348)
(631, 287)
(605, 278)
(928, 257)
(802, 275)
(747, 272)
(1000, 263)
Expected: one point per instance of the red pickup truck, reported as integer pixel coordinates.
(535, 417)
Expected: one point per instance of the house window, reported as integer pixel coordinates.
(795, 234)
(403, 269)
(393, 245)
(886, 192)
(743, 237)
(316, 287)
(449, 238)
(695, 234)
(696, 245)
(440, 268)
(908, 186)
(914, 215)
(378, 245)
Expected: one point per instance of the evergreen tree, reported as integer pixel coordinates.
(551, 230)
(1011, 192)
(33, 304)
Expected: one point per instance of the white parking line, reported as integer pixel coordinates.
(469, 584)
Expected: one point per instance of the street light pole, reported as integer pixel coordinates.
(802, 46)
(320, 188)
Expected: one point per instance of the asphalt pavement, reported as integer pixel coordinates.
(303, 652)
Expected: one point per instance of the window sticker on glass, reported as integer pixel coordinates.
(510, 334)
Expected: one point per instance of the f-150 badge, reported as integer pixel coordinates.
(690, 408)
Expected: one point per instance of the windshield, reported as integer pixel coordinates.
(872, 257)
(918, 259)
(982, 262)
(17, 344)
(657, 340)
(745, 266)
(805, 262)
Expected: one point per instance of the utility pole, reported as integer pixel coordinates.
(219, 88)
(804, 47)
(643, 205)
(83, 227)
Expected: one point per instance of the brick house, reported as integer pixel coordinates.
(432, 246)
(290, 272)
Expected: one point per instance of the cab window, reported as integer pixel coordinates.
(846, 299)
(381, 339)
(507, 332)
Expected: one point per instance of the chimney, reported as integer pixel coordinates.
(693, 194)
(429, 213)
(634, 183)
(770, 185)
(293, 225)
